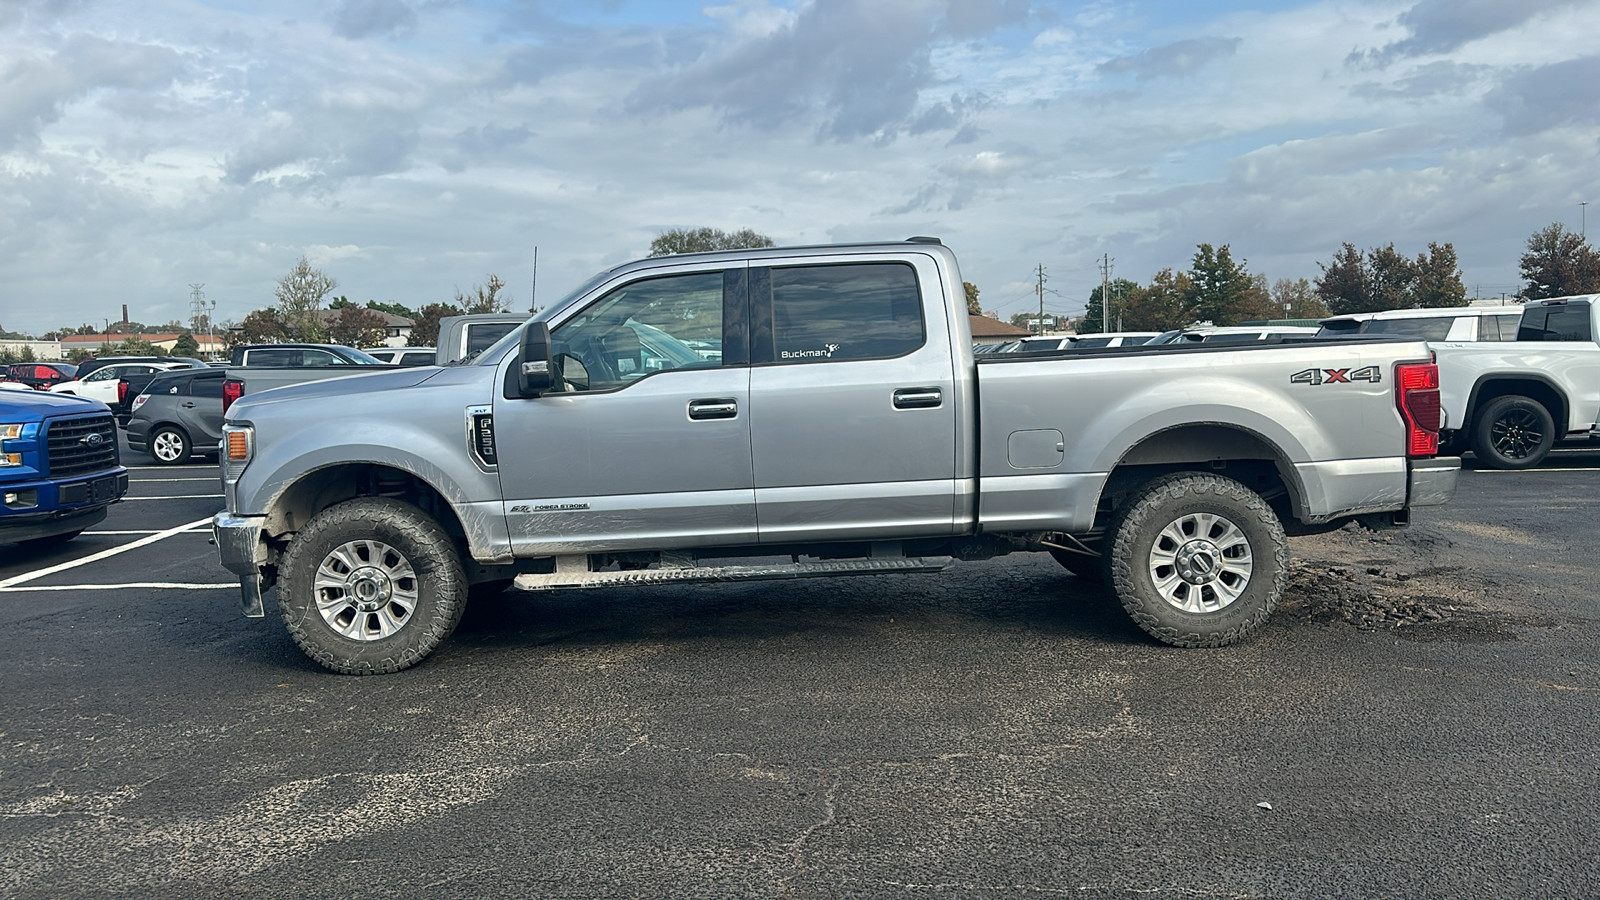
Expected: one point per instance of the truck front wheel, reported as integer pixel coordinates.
(1197, 560)
(1513, 432)
(371, 585)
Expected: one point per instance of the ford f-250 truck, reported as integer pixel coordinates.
(59, 469)
(1510, 401)
(843, 429)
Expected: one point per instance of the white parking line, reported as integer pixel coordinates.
(103, 554)
(164, 585)
(1525, 471)
(156, 480)
(148, 531)
(175, 497)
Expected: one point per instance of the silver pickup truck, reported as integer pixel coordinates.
(796, 412)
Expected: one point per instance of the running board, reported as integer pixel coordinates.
(572, 572)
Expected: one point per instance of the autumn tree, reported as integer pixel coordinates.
(300, 294)
(1386, 279)
(1298, 299)
(425, 327)
(262, 326)
(356, 326)
(1559, 264)
(1345, 285)
(700, 240)
(974, 308)
(1162, 305)
(483, 298)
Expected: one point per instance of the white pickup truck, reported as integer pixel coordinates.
(842, 427)
(1510, 401)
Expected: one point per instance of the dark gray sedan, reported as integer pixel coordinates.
(178, 414)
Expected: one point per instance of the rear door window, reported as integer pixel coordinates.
(834, 313)
(1567, 322)
(205, 387)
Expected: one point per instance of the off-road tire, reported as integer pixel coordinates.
(169, 446)
(420, 545)
(1088, 568)
(1131, 553)
(1513, 432)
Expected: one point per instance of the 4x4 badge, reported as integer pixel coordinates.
(1370, 374)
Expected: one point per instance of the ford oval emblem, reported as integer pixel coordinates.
(94, 440)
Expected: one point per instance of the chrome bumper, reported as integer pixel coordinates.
(238, 540)
(1433, 481)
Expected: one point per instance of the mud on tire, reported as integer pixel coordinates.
(1197, 560)
(370, 586)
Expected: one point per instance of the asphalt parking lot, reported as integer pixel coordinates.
(1419, 720)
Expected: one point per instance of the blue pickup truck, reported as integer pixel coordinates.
(59, 466)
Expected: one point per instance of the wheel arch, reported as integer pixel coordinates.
(1534, 387)
(1227, 449)
(325, 486)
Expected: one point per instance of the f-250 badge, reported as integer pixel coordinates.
(1336, 376)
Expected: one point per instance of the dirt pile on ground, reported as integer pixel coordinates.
(1390, 581)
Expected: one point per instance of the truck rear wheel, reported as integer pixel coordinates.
(371, 585)
(1513, 432)
(1197, 560)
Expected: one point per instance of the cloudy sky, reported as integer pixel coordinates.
(411, 147)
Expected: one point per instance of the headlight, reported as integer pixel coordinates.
(9, 431)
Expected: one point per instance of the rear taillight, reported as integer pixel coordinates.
(232, 389)
(122, 392)
(1417, 397)
(139, 401)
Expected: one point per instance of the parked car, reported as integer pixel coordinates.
(1080, 341)
(293, 355)
(101, 384)
(39, 375)
(1469, 323)
(95, 362)
(404, 356)
(1232, 334)
(178, 414)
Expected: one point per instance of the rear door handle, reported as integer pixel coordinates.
(719, 408)
(918, 398)
(188, 404)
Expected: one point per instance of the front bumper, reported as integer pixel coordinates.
(50, 524)
(1433, 481)
(239, 546)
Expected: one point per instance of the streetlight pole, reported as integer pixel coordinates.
(1583, 208)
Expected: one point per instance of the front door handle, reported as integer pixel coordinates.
(719, 408)
(188, 404)
(918, 398)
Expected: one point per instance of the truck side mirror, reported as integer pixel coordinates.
(534, 376)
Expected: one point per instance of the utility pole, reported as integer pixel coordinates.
(1040, 320)
(1105, 292)
(1583, 227)
(533, 291)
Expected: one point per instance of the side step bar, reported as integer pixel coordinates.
(573, 572)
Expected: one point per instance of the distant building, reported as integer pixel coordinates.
(43, 351)
(396, 329)
(993, 331)
(210, 345)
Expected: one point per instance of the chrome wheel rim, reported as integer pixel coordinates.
(1516, 434)
(167, 446)
(366, 590)
(1201, 562)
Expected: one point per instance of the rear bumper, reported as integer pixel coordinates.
(1433, 481)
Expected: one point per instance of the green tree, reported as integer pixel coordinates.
(425, 327)
(1220, 289)
(1297, 299)
(340, 302)
(1438, 278)
(1558, 264)
(700, 240)
(300, 294)
(1094, 318)
(356, 326)
(974, 308)
(186, 345)
(393, 309)
(483, 298)
(1392, 277)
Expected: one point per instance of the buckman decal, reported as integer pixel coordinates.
(1370, 374)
